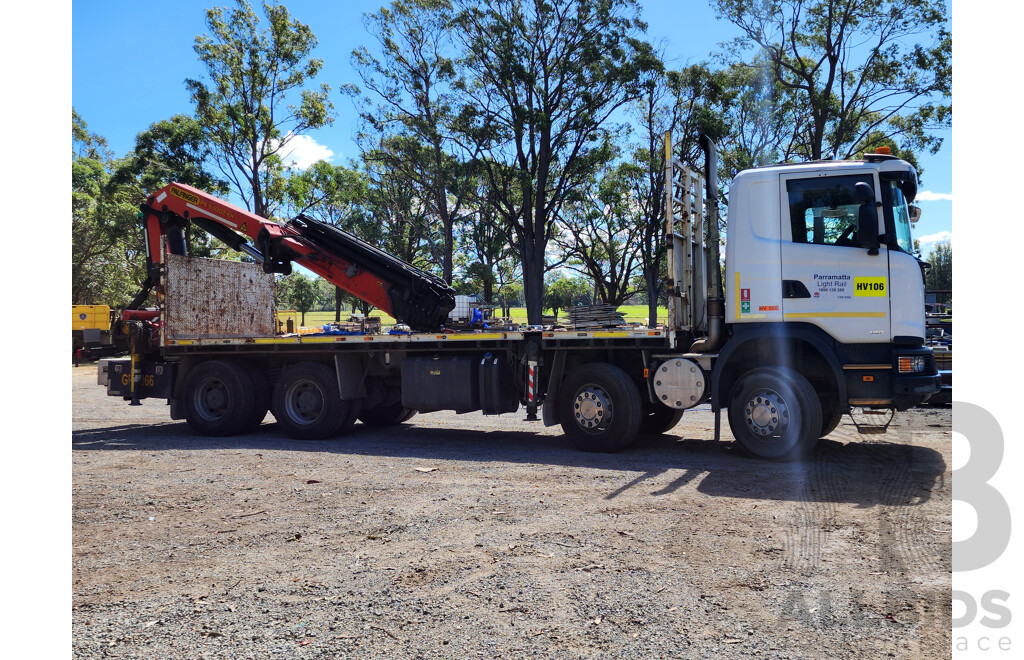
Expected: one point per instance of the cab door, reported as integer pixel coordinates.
(828, 279)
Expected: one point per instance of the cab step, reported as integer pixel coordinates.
(865, 428)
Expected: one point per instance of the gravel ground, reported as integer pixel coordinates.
(463, 536)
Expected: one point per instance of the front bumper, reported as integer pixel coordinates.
(883, 386)
(913, 389)
(910, 391)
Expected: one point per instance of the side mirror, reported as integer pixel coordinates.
(867, 218)
(915, 213)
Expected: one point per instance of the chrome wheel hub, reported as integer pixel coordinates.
(766, 413)
(592, 408)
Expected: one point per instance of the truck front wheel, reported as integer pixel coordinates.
(219, 398)
(307, 404)
(774, 413)
(599, 408)
(831, 415)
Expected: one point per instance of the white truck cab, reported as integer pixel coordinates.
(821, 306)
(796, 251)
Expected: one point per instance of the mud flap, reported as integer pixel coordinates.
(351, 377)
(549, 412)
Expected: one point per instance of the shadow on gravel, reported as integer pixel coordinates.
(858, 472)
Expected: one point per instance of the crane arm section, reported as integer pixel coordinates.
(416, 297)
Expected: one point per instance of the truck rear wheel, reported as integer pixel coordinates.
(307, 404)
(658, 419)
(599, 408)
(388, 415)
(219, 398)
(774, 413)
(261, 390)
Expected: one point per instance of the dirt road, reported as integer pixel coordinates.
(460, 536)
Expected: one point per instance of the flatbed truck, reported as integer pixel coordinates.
(823, 315)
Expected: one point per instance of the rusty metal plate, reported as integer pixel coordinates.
(214, 298)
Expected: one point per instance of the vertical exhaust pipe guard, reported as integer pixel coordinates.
(716, 303)
(716, 326)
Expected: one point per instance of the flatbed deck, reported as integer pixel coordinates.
(547, 337)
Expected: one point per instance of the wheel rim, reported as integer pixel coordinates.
(304, 402)
(211, 399)
(592, 408)
(766, 414)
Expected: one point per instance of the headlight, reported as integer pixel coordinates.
(912, 364)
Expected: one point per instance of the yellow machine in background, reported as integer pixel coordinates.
(90, 317)
(90, 331)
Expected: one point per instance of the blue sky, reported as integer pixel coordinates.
(130, 60)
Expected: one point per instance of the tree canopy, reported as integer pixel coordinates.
(545, 80)
(258, 96)
(845, 73)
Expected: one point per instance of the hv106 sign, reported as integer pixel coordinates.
(844, 286)
(868, 286)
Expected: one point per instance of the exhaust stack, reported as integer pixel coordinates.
(716, 303)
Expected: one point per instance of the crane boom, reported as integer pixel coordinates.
(420, 299)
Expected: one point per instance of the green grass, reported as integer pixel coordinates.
(632, 313)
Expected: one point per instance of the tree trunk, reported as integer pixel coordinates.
(533, 283)
(652, 298)
(449, 253)
(488, 290)
(338, 303)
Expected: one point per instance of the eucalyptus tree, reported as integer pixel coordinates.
(258, 96)
(484, 243)
(336, 195)
(412, 102)
(105, 245)
(401, 221)
(543, 81)
(600, 230)
(108, 252)
(856, 68)
(683, 103)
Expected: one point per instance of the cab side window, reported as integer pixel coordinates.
(824, 210)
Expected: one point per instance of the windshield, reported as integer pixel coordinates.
(901, 218)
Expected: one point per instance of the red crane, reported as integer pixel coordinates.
(411, 295)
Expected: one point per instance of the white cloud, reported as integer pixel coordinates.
(301, 151)
(929, 196)
(931, 240)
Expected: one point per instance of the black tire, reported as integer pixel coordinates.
(599, 408)
(219, 398)
(388, 415)
(774, 413)
(658, 419)
(261, 390)
(355, 407)
(307, 404)
(831, 415)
